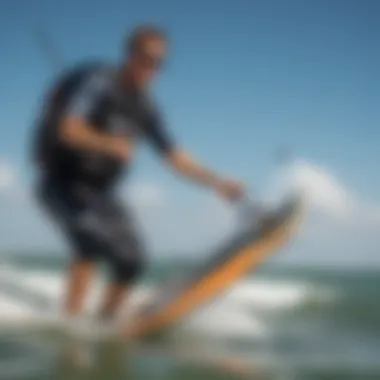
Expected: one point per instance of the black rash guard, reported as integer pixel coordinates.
(93, 93)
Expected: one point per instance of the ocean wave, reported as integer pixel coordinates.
(230, 315)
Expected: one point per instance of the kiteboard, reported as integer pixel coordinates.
(227, 264)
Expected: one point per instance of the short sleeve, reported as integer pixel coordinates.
(155, 130)
(88, 96)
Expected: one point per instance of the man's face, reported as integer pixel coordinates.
(146, 61)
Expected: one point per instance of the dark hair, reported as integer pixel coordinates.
(142, 33)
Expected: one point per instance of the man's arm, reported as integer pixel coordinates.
(75, 130)
(183, 163)
(189, 168)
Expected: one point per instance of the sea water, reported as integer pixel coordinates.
(277, 323)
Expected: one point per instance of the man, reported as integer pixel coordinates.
(91, 122)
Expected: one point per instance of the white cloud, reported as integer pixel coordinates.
(7, 176)
(11, 188)
(322, 190)
(325, 194)
(145, 195)
(174, 222)
(339, 225)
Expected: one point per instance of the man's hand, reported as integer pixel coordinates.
(189, 168)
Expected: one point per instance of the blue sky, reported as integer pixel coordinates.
(243, 78)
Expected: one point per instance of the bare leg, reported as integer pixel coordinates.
(113, 299)
(79, 277)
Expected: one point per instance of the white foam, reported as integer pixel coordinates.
(262, 294)
(11, 309)
(224, 323)
(230, 315)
